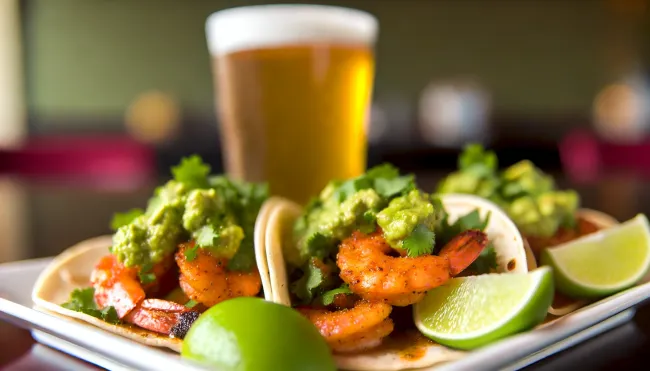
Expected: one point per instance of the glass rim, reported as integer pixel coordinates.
(257, 26)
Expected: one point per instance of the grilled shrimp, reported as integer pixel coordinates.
(118, 286)
(350, 330)
(373, 274)
(206, 279)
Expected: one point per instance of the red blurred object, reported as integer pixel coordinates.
(585, 157)
(96, 159)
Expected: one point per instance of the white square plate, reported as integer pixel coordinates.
(117, 353)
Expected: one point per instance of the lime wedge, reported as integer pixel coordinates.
(602, 263)
(247, 333)
(469, 312)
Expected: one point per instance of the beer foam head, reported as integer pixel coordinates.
(261, 26)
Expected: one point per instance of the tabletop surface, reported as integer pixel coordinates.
(41, 218)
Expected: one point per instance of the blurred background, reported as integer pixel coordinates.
(98, 98)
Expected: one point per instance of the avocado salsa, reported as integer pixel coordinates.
(523, 191)
(413, 223)
(216, 212)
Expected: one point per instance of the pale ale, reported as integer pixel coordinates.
(293, 84)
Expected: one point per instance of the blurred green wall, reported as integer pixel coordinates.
(89, 59)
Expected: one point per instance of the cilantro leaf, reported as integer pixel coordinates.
(474, 155)
(320, 245)
(386, 171)
(317, 277)
(305, 287)
(352, 186)
(206, 236)
(122, 219)
(384, 179)
(191, 304)
(419, 242)
(82, 300)
(486, 261)
(328, 296)
(190, 254)
(145, 274)
(395, 186)
(192, 171)
(109, 314)
(472, 220)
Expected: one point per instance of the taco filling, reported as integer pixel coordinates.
(545, 215)
(366, 249)
(191, 248)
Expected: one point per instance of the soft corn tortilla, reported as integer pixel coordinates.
(260, 244)
(568, 305)
(409, 350)
(72, 269)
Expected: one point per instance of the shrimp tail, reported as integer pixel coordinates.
(464, 249)
(162, 316)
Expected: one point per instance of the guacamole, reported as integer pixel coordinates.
(403, 214)
(379, 200)
(527, 195)
(216, 213)
(356, 204)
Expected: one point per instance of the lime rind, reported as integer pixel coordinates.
(529, 311)
(567, 282)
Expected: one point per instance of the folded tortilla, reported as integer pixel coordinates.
(406, 350)
(72, 270)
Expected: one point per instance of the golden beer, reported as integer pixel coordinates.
(293, 111)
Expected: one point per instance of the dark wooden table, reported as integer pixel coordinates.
(41, 218)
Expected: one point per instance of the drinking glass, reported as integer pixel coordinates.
(293, 85)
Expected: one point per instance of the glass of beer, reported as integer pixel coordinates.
(293, 85)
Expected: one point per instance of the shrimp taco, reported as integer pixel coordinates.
(545, 215)
(359, 256)
(191, 248)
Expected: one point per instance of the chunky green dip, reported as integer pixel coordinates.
(527, 195)
(216, 212)
(380, 199)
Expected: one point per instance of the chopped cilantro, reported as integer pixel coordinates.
(319, 244)
(206, 236)
(395, 186)
(446, 231)
(384, 179)
(383, 171)
(192, 171)
(419, 242)
(486, 261)
(191, 304)
(328, 296)
(122, 219)
(82, 300)
(145, 274)
(190, 254)
(475, 157)
(352, 186)
(317, 277)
